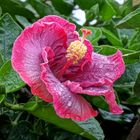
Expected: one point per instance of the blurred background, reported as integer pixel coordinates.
(115, 25)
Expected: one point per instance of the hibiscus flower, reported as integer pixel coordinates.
(59, 65)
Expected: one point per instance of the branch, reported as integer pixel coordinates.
(135, 132)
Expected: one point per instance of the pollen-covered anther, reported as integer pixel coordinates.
(76, 51)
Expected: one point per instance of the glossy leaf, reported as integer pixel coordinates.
(98, 101)
(47, 113)
(131, 20)
(88, 4)
(134, 100)
(95, 36)
(129, 77)
(2, 89)
(9, 32)
(1, 60)
(134, 43)
(117, 118)
(0, 11)
(137, 86)
(42, 8)
(106, 10)
(23, 21)
(92, 126)
(93, 12)
(10, 78)
(15, 8)
(108, 50)
(114, 40)
(2, 97)
(132, 57)
(63, 6)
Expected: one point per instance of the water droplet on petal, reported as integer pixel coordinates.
(77, 118)
(101, 66)
(69, 103)
(107, 74)
(67, 116)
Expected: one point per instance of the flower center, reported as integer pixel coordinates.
(77, 49)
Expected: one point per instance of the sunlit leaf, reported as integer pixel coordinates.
(114, 40)
(131, 20)
(106, 10)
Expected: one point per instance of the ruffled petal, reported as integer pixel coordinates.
(78, 68)
(108, 67)
(27, 53)
(68, 27)
(66, 104)
(113, 106)
(105, 91)
(103, 70)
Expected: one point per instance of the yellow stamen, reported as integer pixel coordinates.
(77, 49)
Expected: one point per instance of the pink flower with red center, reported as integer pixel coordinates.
(59, 65)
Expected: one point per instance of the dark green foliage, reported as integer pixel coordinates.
(26, 117)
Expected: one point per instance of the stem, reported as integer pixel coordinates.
(135, 132)
(15, 122)
(14, 106)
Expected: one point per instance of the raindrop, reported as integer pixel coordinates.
(67, 115)
(69, 103)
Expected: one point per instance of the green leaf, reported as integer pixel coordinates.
(93, 127)
(10, 30)
(22, 131)
(15, 8)
(10, 78)
(2, 89)
(121, 10)
(108, 50)
(42, 8)
(0, 11)
(134, 100)
(2, 97)
(132, 57)
(134, 43)
(129, 77)
(98, 101)
(114, 40)
(131, 20)
(1, 61)
(46, 112)
(137, 86)
(23, 21)
(106, 10)
(117, 118)
(31, 106)
(135, 46)
(88, 4)
(95, 36)
(63, 6)
(92, 13)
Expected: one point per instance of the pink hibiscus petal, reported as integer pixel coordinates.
(105, 91)
(27, 53)
(113, 106)
(68, 27)
(66, 104)
(103, 70)
(75, 69)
